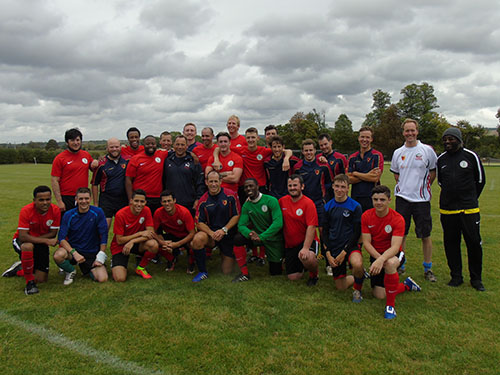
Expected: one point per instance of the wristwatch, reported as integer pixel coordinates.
(225, 230)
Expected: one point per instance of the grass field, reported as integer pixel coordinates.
(168, 325)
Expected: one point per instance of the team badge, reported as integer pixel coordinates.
(299, 212)
(331, 162)
(464, 164)
(388, 228)
(187, 165)
(230, 163)
(49, 222)
(158, 160)
(238, 145)
(368, 159)
(259, 157)
(85, 161)
(224, 202)
(141, 220)
(124, 166)
(179, 221)
(418, 157)
(264, 208)
(316, 171)
(346, 213)
(403, 157)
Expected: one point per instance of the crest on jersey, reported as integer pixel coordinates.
(187, 165)
(124, 166)
(332, 162)
(259, 157)
(418, 156)
(224, 202)
(179, 221)
(230, 163)
(49, 222)
(85, 161)
(141, 220)
(368, 159)
(403, 157)
(316, 171)
(388, 229)
(464, 164)
(238, 145)
(264, 208)
(299, 212)
(158, 159)
(346, 213)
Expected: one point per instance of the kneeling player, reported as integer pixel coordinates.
(216, 217)
(300, 221)
(341, 231)
(260, 224)
(36, 231)
(82, 239)
(174, 226)
(383, 230)
(134, 233)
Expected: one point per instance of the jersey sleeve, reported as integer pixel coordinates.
(350, 164)
(119, 225)
(398, 226)
(432, 158)
(24, 219)
(149, 218)
(244, 221)
(364, 223)
(63, 231)
(131, 168)
(102, 226)
(97, 176)
(156, 219)
(238, 161)
(394, 162)
(57, 217)
(277, 224)
(188, 221)
(311, 214)
(57, 167)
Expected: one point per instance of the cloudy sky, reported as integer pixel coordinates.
(156, 64)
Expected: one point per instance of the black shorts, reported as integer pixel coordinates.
(153, 204)
(378, 280)
(41, 255)
(341, 271)
(111, 204)
(226, 244)
(421, 212)
(69, 201)
(86, 266)
(170, 237)
(121, 259)
(365, 202)
(292, 261)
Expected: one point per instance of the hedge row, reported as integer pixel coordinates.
(28, 155)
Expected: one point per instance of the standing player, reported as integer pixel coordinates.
(341, 231)
(36, 231)
(134, 144)
(231, 167)
(414, 169)
(110, 178)
(277, 178)
(166, 141)
(205, 150)
(382, 232)
(183, 176)
(335, 160)
(270, 131)
(145, 171)
(365, 168)
(82, 239)
(175, 228)
(233, 126)
(260, 223)
(189, 132)
(461, 177)
(134, 234)
(70, 170)
(300, 221)
(217, 217)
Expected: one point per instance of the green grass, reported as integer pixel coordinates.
(266, 326)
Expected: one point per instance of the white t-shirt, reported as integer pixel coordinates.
(413, 165)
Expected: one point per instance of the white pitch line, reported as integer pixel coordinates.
(492, 184)
(81, 348)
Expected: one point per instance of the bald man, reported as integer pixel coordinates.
(110, 176)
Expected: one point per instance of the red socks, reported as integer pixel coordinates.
(27, 262)
(240, 253)
(168, 256)
(146, 257)
(392, 288)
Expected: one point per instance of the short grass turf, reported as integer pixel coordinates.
(168, 325)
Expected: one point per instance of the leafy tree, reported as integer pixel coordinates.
(302, 126)
(381, 101)
(471, 135)
(51, 145)
(344, 138)
(417, 101)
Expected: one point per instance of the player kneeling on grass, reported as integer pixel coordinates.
(300, 221)
(174, 226)
(82, 239)
(341, 232)
(36, 231)
(216, 218)
(133, 233)
(383, 230)
(260, 224)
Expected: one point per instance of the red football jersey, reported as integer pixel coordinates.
(179, 224)
(37, 224)
(72, 168)
(126, 224)
(229, 162)
(297, 216)
(128, 152)
(204, 154)
(147, 172)
(382, 228)
(239, 141)
(253, 163)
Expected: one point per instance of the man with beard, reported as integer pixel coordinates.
(270, 131)
(260, 224)
(82, 240)
(36, 231)
(110, 178)
(134, 144)
(183, 176)
(461, 177)
(70, 170)
(145, 171)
